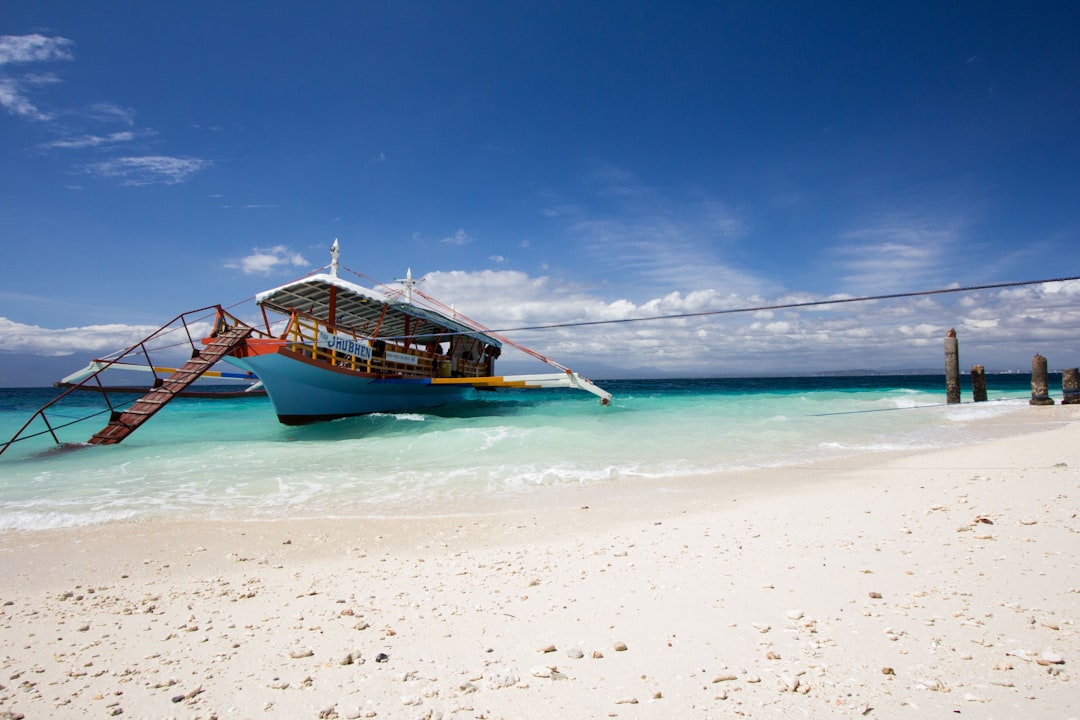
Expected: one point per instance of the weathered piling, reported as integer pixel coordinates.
(978, 383)
(1040, 391)
(952, 368)
(1070, 386)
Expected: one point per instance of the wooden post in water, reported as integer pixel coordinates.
(978, 383)
(1040, 392)
(952, 368)
(1070, 386)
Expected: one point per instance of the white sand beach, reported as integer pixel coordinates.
(932, 584)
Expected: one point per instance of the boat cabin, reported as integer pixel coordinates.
(327, 319)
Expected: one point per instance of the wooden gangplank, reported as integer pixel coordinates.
(125, 423)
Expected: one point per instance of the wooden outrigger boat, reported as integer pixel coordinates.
(338, 349)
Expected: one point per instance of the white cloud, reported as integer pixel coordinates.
(16, 337)
(148, 170)
(998, 330)
(15, 97)
(1001, 330)
(1068, 289)
(666, 251)
(897, 254)
(22, 49)
(15, 102)
(33, 48)
(628, 229)
(459, 238)
(614, 181)
(109, 113)
(89, 141)
(677, 253)
(265, 261)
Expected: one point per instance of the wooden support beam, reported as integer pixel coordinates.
(952, 368)
(1040, 391)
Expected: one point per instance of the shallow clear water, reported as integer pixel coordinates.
(230, 458)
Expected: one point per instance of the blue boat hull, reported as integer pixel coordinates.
(303, 392)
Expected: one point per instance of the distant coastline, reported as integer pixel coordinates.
(1054, 377)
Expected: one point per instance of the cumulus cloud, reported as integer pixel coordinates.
(148, 170)
(1065, 290)
(266, 261)
(1000, 329)
(901, 334)
(20, 338)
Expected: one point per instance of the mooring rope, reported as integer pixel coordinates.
(756, 308)
(789, 306)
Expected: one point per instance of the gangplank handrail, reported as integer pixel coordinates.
(101, 365)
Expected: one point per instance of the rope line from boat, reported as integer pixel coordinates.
(385, 288)
(775, 306)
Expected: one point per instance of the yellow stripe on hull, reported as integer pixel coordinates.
(480, 382)
(554, 380)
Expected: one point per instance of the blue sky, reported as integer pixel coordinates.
(546, 162)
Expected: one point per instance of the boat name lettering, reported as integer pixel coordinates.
(345, 344)
(401, 358)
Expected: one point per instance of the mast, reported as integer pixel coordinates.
(334, 258)
(408, 282)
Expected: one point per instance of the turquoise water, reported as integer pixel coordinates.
(230, 458)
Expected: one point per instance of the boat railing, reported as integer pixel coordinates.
(372, 354)
(307, 335)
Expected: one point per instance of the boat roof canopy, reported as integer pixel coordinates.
(360, 309)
